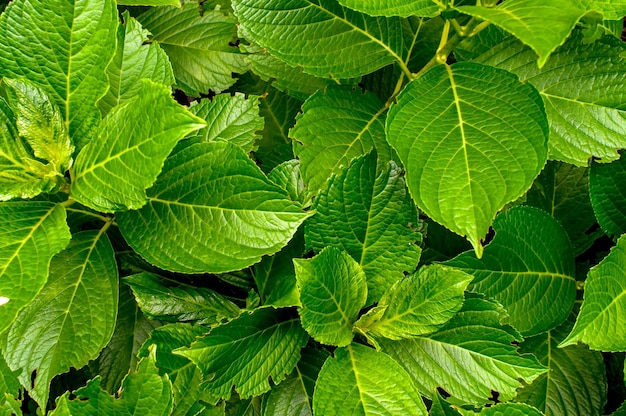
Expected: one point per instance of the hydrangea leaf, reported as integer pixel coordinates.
(233, 216)
(606, 190)
(287, 176)
(472, 138)
(610, 9)
(153, 3)
(440, 407)
(510, 409)
(9, 383)
(403, 8)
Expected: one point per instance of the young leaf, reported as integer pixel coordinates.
(416, 305)
(361, 380)
(472, 139)
(30, 234)
(64, 47)
(404, 8)
(134, 61)
(71, 319)
(528, 267)
(600, 323)
(610, 9)
(201, 48)
(606, 189)
(287, 176)
(247, 351)
(324, 38)
(113, 172)
(332, 290)
(337, 125)
(367, 212)
(470, 357)
(211, 210)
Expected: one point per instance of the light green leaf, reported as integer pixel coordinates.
(167, 300)
(471, 356)
(9, 383)
(113, 172)
(337, 125)
(134, 61)
(154, 3)
(528, 267)
(606, 182)
(234, 118)
(71, 319)
(324, 38)
(543, 26)
(30, 234)
(585, 107)
(416, 305)
(10, 406)
(610, 9)
(472, 138)
(600, 323)
(64, 47)
(510, 409)
(233, 216)
(360, 380)
(247, 351)
(367, 212)
(404, 8)
(332, 290)
(287, 176)
(201, 48)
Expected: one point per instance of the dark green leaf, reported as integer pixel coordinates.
(608, 195)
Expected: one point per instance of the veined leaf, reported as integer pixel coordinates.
(510, 409)
(606, 190)
(472, 138)
(247, 351)
(367, 212)
(64, 47)
(154, 3)
(134, 61)
(440, 407)
(336, 126)
(600, 323)
(361, 380)
(9, 383)
(113, 172)
(543, 26)
(287, 176)
(211, 210)
(201, 48)
(30, 234)
(471, 356)
(324, 38)
(332, 290)
(528, 267)
(404, 8)
(610, 9)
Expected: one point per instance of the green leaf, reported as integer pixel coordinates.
(528, 267)
(440, 407)
(367, 212)
(583, 92)
(510, 409)
(166, 300)
(134, 61)
(332, 290)
(234, 215)
(540, 25)
(606, 185)
(324, 38)
(471, 356)
(337, 125)
(600, 323)
(287, 176)
(9, 383)
(404, 8)
(417, 305)
(361, 380)
(234, 118)
(143, 393)
(30, 234)
(610, 9)
(247, 351)
(472, 138)
(201, 48)
(64, 47)
(154, 3)
(71, 319)
(113, 172)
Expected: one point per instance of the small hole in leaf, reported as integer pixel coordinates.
(494, 397)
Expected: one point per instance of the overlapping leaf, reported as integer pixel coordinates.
(287, 176)
(606, 189)
(510, 409)
(404, 8)
(472, 138)
(610, 9)
(211, 210)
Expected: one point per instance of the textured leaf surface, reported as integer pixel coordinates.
(469, 357)
(30, 234)
(201, 48)
(336, 126)
(9, 383)
(211, 210)
(149, 2)
(607, 190)
(332, 290)
(113, 172)
(321, 36)
(64, 47)
(601, 321)
(404, 8)
(367, 212)
(417, 305)
(361, 380)
(510, 409)
(528, 267)
(610, 9)
(287, 176)
(472, 138)
(246, 352)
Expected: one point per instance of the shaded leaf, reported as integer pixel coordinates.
(606, 190)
